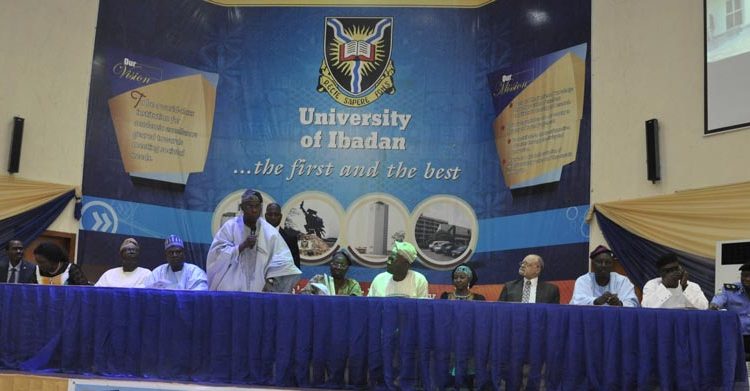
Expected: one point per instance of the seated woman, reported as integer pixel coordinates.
(54, 268)
(323, 284)
(464, 277)
(129, 275)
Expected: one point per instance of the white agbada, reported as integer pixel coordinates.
(230, 270)
(413, 285)
(656, 295)
(118, 278)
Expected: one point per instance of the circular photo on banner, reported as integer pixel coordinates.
(229, 207)
(374, 222)
(445, 230)
(315, 217)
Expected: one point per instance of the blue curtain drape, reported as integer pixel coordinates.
(638, 256)
(346, 342)
(28, 225)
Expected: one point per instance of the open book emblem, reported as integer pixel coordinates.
(357, 68)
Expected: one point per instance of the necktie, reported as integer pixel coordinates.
(526, 292)
(12, 277)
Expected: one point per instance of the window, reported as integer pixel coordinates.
(734, 13)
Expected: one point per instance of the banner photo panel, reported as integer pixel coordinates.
(464, 130)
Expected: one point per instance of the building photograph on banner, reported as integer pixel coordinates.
(464, 130)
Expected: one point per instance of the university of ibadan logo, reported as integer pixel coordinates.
(357, 68)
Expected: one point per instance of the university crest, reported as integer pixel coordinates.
(357, 68)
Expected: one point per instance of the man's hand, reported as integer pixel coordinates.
(249, 242)
(614, 300)
(684, 280)
(603, 299)
(269, 286)
(713, 306)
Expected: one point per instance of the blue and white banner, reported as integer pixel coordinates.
(464, 130)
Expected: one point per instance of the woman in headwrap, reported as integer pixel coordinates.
(54, 268)
(336, 283)
(464, 277)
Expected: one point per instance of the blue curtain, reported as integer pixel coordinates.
(638, 256)
(313, 341)
(28, 225)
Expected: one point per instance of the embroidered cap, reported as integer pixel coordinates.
(600, 249)
(249, 194)
(129, 242)
(173, 241)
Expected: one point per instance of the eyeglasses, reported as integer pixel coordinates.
(251, 205)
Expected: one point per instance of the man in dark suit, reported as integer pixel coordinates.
(14, 270)
(529, 289)
(273, 217)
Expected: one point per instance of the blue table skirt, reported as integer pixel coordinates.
(338, 342)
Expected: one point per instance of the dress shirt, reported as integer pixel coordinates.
(15, 274)
(532, 292)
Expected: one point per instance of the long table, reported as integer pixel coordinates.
(354, 342)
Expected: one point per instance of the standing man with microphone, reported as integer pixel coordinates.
(248, 254)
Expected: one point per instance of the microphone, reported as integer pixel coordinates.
(251, 236)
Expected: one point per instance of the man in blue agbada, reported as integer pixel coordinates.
(176, 273)
(602, 286)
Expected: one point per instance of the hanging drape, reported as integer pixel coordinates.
(638, 256)
(19, 195)
(688, 223)
(691, 221)
(27, 207)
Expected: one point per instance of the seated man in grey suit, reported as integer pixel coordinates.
(15, 270)
(529, 289)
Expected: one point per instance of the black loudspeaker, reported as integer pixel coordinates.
(15, 145)
(652, 150)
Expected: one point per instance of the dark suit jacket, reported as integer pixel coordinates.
(291, 241)
(27, 274)
(545, 292)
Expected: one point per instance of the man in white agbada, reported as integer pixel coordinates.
(672, 289)
(399, 280)
(176, 273)
(129, 275)
(248, 254)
